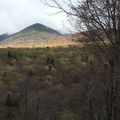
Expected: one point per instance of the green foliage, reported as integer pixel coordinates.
(68, 115)
(12, 102)
(9, 54)
(9, 101)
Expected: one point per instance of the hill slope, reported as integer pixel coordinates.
(3, 36)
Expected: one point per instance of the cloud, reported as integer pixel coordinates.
(18, 14)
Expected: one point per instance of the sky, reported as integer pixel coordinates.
(16, 15)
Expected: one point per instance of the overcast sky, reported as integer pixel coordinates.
(15, 15)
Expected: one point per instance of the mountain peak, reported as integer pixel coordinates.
(41, 28)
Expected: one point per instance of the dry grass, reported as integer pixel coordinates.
(62, 41)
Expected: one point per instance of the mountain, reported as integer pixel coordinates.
(34, 32)
(3, 36)
(41, 28)
(37, 35)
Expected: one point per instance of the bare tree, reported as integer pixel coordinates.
(100, 21)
